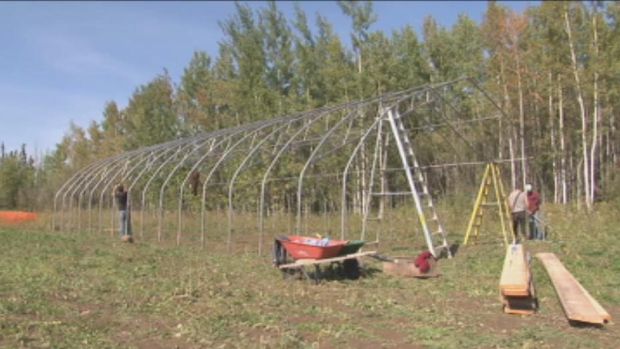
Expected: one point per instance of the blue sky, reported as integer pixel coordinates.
(61, 61)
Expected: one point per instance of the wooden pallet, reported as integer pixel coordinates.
(577, 302)
(516, 287)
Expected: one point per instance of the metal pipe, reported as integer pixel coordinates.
(375, 158)
(238, 170)
(215, 167)
(163, 188)
(182, 187)
(139, 163)
(150, 180)
(62, 188)
(312, 155)
(261, 223)
(71, 190)
(343, 209)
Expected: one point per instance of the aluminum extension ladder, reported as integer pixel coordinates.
(427, 215)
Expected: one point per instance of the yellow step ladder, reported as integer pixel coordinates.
(491, 183)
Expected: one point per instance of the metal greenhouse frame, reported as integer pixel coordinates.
(335, 157)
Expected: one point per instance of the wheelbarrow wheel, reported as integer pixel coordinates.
(351, 268)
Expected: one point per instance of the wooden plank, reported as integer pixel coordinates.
(515, 279)
(516, 310)
(303, 262)
(577, 302)
(521, 305)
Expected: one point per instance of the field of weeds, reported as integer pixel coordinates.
(88, 290)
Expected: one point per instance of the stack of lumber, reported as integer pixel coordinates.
(516, 287)
(578, 304)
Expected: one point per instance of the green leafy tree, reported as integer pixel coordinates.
(468, 50)
(411, 68)
(439, 49)
(305, 64)
(195, 96)
(381, 74)
(113, 129)
(553, 69)
(151, 117)
(244, 40)
(279, 57)
(362, 16)
(336, 71)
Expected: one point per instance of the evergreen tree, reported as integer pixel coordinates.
(17, 173)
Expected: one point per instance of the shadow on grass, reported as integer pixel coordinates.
(580, 324)
(454, 249)
(347, 270)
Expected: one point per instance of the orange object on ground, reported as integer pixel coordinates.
(14, 217)
(303, 247)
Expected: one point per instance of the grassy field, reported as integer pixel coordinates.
(87, 290)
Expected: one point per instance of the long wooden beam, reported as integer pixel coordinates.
(516, 288)
(515, 280)
(577, 302)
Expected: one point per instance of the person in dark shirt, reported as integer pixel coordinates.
(194, 181)
(120, 194)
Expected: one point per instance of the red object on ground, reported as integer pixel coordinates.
(422, 261)
(303, 247)
(14, 217)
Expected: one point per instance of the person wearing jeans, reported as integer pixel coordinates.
(533, 206)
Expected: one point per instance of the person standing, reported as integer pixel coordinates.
(120, 194)
(517, 200)
(533, 206)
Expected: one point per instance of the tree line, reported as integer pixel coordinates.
(553, 69)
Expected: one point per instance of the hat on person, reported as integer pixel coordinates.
(528, 187)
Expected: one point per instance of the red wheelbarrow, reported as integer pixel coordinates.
(303, 247)
(311, 251)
